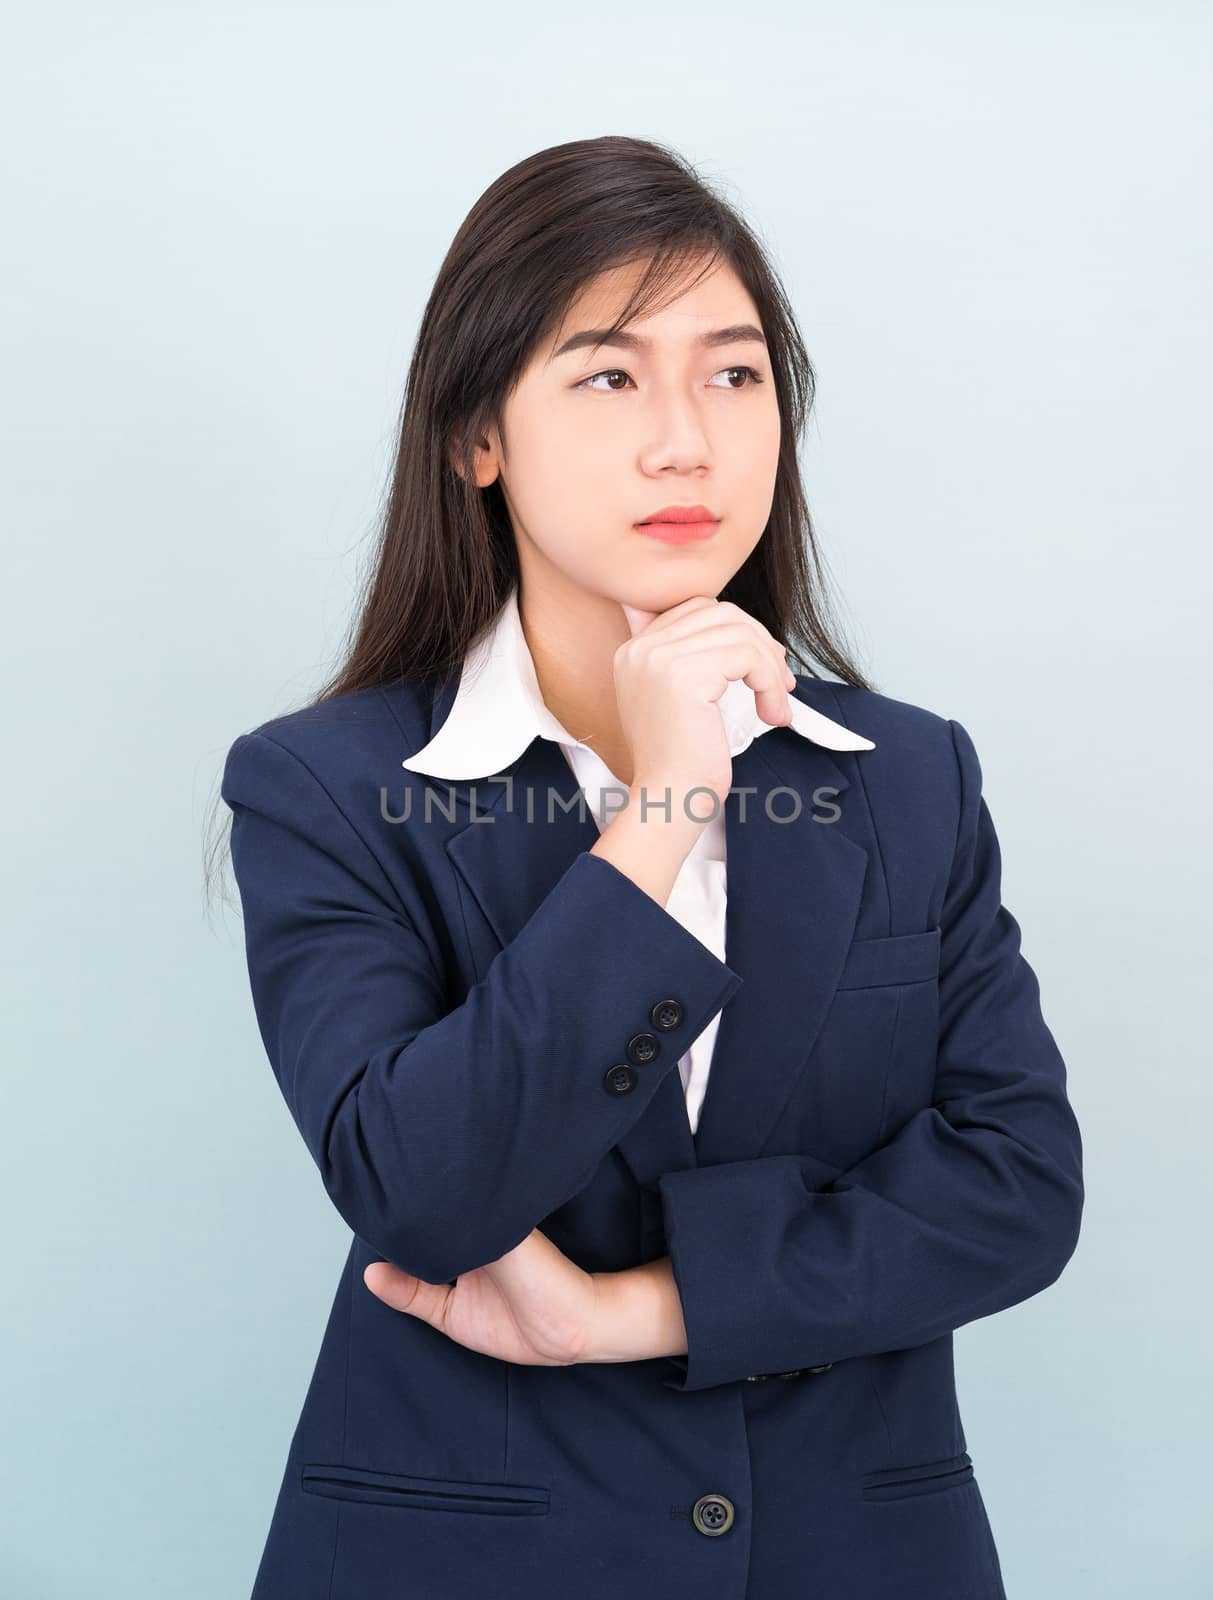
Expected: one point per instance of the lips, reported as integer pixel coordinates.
(680, 524)
(680, 514)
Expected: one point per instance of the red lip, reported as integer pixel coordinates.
(680, 514)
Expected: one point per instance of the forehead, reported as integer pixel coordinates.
(685, 307)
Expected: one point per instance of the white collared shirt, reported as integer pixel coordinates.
(498, 710)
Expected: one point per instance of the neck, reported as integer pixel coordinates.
(573, 637)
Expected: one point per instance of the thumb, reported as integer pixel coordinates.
(403, 1292)
(637, 619)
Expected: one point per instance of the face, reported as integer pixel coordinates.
(679, 411)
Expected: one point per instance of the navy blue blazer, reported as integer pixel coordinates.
(886, 1152)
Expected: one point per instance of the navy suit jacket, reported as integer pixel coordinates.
(451, 1003)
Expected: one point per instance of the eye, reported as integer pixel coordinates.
(755, 377)
(614, 372)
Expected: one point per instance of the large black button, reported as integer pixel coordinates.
(712, 1514)
(643, 1047)
(666, 1014)
(620, 1079)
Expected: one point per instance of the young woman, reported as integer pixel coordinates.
(649, 1010)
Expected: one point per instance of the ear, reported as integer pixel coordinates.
(485, 467)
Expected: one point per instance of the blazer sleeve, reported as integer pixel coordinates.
(445, 1133)
(975, 1204)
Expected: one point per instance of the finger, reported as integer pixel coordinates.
(637, 619)
(754, 665)
(660, 620)
(733, 626)
(403, 1292)
(687, 619)
(769, 676)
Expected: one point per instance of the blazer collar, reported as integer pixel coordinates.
(498, 709)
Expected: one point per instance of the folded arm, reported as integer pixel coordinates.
(786, 1261)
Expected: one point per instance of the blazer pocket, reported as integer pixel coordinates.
(900, 958)
(495, 1499)
(925, 1477)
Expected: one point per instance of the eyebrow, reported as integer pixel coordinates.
(739, 333)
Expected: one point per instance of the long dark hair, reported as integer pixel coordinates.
(444, 558)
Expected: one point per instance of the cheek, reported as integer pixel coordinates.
(574, 528)
(747, 460)
(552, 494)
(758, 439)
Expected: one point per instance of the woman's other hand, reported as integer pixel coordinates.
(534, 1306)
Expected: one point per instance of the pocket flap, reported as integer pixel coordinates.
(901, 958)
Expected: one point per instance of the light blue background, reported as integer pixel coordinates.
(221, 224)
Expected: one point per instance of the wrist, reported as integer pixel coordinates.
(638, 1314)
(672, 801)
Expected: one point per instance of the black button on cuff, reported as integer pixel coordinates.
(643, 1047)
(666, 1014)
(620, 1079)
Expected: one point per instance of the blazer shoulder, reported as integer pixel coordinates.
(898, 727)
(367, 730)
(323, 771)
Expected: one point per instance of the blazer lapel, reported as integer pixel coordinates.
(794, 891)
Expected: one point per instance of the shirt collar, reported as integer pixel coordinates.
(498, 710)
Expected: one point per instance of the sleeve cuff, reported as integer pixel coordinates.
(716, 1224)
